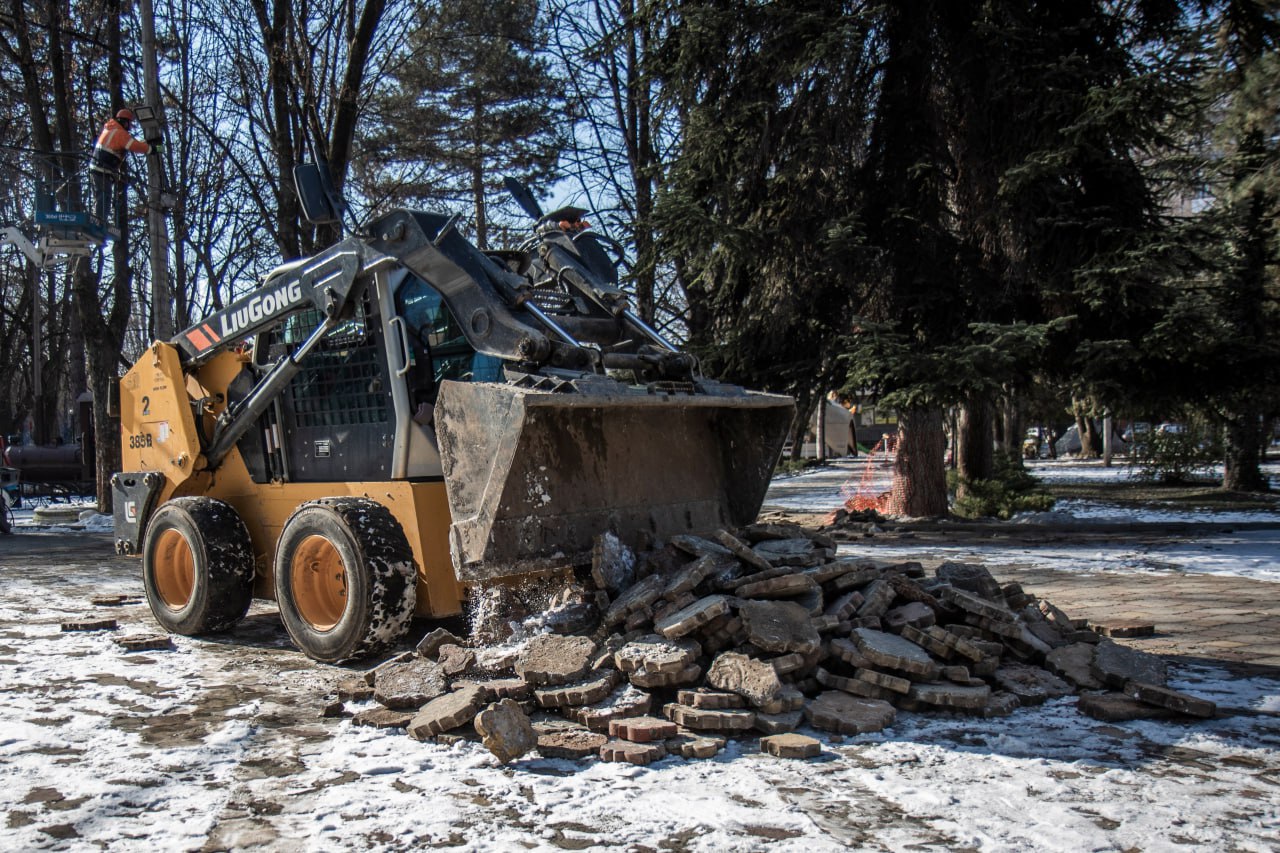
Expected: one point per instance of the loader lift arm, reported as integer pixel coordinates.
(331, 283)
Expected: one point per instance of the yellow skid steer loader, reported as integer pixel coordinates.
(379, 427)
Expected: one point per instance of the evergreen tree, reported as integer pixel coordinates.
(1245, 222)
(473, 102)
(762, 210)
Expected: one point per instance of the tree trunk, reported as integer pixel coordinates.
(1242, 455)
(973, 448)
(1015, 429)
(919, 471)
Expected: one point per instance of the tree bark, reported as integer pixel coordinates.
(1242, 454)
(974, 452)
(919, 472)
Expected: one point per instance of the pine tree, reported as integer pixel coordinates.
(473, 102)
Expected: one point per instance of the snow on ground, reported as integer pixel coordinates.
(1246, 553)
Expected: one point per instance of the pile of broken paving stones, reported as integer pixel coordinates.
(748, 634)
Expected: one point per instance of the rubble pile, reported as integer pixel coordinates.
(750, 634)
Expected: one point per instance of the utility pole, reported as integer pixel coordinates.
(37, 348)
(157, 227)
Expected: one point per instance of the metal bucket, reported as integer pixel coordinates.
(534, 476)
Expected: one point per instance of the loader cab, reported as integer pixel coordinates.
(438, 348)
(360, 406)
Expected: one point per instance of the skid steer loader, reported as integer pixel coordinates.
(380, 427)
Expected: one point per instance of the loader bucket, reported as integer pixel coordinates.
(534, 476)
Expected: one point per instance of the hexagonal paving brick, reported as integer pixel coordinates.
(839, 712)
(710, 699)
(689, 619)
(1075, 664)
(1164, 697)
(951, 695)
(656, 654)
(409, 684)
(694, 746)
(551, 659)
(790, 746)
(592, 689)
(654, 680)
(894, 652)
(731, 720)
(632, 753)
(779, 626)
(625, 701)
(1114, 664)
(778, 587)
(642, 729)
(1031, 684)
(572, 744)
(446, 712)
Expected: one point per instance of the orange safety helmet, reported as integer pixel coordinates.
(125, 114)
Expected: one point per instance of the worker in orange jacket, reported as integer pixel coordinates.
(108, 156)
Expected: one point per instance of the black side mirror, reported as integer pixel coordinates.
(321, 204)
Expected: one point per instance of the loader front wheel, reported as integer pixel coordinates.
(345, 578)
(197, 566)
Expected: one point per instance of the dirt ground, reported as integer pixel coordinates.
(218, 744)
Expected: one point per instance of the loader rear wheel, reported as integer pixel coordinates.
(345, 578)
(197, 566)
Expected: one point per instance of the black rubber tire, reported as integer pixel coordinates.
(222, 564)
(380, 578)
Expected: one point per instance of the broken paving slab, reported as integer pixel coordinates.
(409, 684)
(90, 625)
(1031, 684)
(753, 679)
(1174, 700)
(710, 699)
(782, 586)
(702, 719)
(632, 753)
(613, 564)
(506, 730)
(446, 712)
(742, 551)
(801, 552)
(654, 680)
(431, 643)
(642, 729)
(839, 712)
(772, 724)
(656, 654)
(594, 688)
(551, 659)
(893, 652)
(779, 626)
(572, 744)
(971, 697)
(1075, 664)
(914, 613)
(693, 617)
(974, 605)
(698, 546)
(688, 745)
(790, 746)
(637, 597)
(1115, 664)
(383, 718)
(145, 643)
(1121, 630)
(625, 701)
(1119, 708)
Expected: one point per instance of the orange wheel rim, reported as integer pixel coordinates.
(175, 569)
(319, 582)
